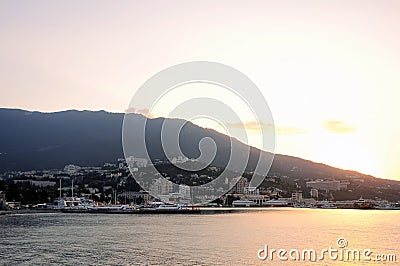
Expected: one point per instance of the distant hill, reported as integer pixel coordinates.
(35, 140)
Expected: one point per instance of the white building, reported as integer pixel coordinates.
(314, 193)
(138, 162)
(251, 191)
(184, 190)
(179, 159)
(297, 197)
(162, 186)
(241, 183)
(71, 168)
(2, 199)
(327, 185)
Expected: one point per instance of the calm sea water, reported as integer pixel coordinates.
(214, 239)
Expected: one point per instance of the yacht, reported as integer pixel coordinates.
(328, 206)
(276, 203)
(243, 203)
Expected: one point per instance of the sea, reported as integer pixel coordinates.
(246, 237)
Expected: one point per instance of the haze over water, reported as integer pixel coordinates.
(211, 239)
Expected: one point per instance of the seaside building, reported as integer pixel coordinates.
(327, 185)
(251, 191)
(138, 162)
(71, 168)
(2, 200)
(162, 186)
(241, 183)
(135, 196)
(297, 197)
(179, 159)
(184, 191)
(314, 193)
(253, 194)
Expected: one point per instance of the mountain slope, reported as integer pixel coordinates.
(34, 140)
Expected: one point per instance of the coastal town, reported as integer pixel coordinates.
(112, 188)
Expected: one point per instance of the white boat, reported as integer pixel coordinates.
(328, 206)
(386, 207)
(170, 207)
(243, 203)
(297, 205)
(276, 203)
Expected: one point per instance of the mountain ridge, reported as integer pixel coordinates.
(40, 147)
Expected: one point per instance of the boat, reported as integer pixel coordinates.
(387, 207)
(243, 203)
(101, 209)
(170, 207)
(127, 209)
(363, 204)
(276, 203)
(301, 205)
(328, 206)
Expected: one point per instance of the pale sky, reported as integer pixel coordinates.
(329, 70)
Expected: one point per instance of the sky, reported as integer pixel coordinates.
(329, 70)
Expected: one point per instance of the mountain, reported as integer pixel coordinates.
(35, 140)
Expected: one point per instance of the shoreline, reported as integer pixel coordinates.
(198, 211)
